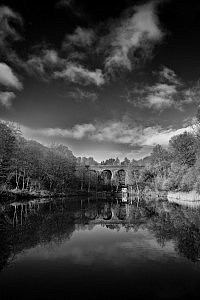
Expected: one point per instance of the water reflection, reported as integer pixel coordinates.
(66, 237)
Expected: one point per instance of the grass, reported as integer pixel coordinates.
(189, 199)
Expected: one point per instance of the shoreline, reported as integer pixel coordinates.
(20, 196)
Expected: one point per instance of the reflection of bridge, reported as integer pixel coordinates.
(114, 215)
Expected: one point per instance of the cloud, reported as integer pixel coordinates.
(138, 31)
(7, 30)
(43, 63)
(8, 78)
(160, 96)
(71, 6)
(121, 132)
(6, 99)
(169, 75)
(81, 95)
(78, 74)
(129, 39)
(117, 132)
(65, 3)
(82, 37)
(78, 132)
(50, 56)
(121, 137)
(46, 57)
(48, 64)
(168, 92)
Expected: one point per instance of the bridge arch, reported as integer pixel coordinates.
(121, 174)
(112, 171)
(107, 176)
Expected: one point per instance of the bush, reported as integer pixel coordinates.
(188, 180)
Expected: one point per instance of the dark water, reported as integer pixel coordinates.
(96, 249)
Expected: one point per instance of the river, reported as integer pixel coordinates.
(99, 249)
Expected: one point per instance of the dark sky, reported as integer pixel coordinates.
(106, 78)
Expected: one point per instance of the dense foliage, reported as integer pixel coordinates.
(28, 165)
(176, 168)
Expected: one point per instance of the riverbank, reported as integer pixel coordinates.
(8, 196)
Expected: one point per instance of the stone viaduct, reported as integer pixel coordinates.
(113, 170)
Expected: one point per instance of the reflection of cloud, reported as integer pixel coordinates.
(102, 245)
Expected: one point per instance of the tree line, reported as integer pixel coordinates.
(27, 165)
(175, 168)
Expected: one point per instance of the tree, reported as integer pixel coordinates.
(126, 162)
(8, 144)
(160, 160)
(109, 161)
(183, 149)
(117, 162)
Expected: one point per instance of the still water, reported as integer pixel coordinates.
(97, 249)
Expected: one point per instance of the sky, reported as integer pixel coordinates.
(105, 78)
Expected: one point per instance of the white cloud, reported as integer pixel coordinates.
(77, 132)
(82, 95)
(8, 78)
(78, 74)
(43, 63)
(51, 56)
(168, 92)
(71, 6)
(117, 132)
(157, 135)
(6, 99)
(123, 133)
(49, 65)
(6, 28)
(169, 75)
(139, 30)
(160, 96)
(126, 139)
(82, 37)
(66, 3)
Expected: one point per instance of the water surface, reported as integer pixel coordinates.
(97, 249)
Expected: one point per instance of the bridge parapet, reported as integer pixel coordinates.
(112, 168)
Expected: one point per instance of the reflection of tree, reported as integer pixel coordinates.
(180, 226)
(56, 221)
(188, 244)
